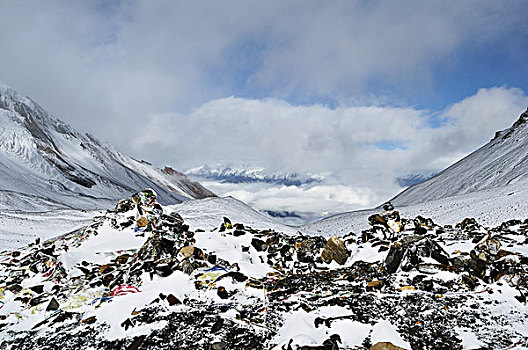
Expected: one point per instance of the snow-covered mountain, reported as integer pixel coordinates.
(502, 161)
(490, 184)
(251, 175)
(47, 163)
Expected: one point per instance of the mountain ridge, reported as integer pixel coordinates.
(500, 162)
(44, 157)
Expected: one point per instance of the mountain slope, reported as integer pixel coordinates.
(46, 159)
(501, 162)
(490, 185)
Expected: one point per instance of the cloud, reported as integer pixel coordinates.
(349, 142)
(104, 66)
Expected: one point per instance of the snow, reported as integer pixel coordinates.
(469, 339)
(107, 240)
(384, 331)
(299, 329)
(489, 207)
(501, 162)
(44, 160)
(208, 213)
(19, 228)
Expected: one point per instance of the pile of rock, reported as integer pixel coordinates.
(425, 286)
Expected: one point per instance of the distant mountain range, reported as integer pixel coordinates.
(46, 164)
(251, 175)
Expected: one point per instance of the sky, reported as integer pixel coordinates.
(363, 90)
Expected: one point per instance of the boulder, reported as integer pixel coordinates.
(335, 250)
(187, 251)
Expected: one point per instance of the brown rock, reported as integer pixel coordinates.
(89, 320)
(335, 250)
(385, 346)
(142, 222)
(122, 259)
(105, 268)
(374, 285)
(187, 251)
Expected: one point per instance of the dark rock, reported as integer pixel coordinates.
(211, 258)
(238, 233)
(172, 300)
(259, 245)
(377, 220)
(53, 305)
(222, 293)
(136, 343)
(394, 257)
(375, 285)
(388, 206)
(217, 326)
(38, 288)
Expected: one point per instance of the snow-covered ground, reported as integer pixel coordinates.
(19, 228)
(208, 213)
(490, 208)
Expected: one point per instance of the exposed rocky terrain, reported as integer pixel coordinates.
(402, 283)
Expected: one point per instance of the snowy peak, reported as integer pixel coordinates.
(502, 161)
(519, 124)
(249, 174)
(44, 157)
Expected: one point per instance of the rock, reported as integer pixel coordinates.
(335, 250)
(142, 222)
(388, 206)
(187, 251)
(164, 269)
(219, 323)
(218, 345)
(385, 346)
(377, 220)
(37, 289)
(468, 224)
(307, 249)
(226, 225)
(172, 300)
(236, 276)
(222, 293)
(394, 257)
(124, 205)
(105, 269)
(126, 324)
(53, 305)
(136, 343)
(187, 267)
(122, 259)
(395, 226)
(89, 320)
(259, 244)
(211, 259)
(238, 233)
(374, 285)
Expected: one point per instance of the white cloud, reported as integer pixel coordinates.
(104, 66)
(344, 141)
